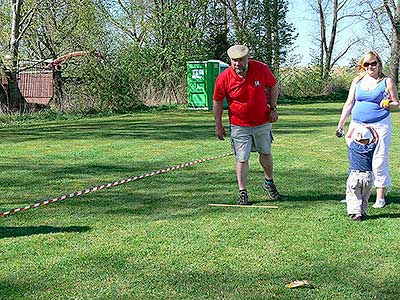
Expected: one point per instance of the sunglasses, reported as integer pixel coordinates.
(372, 64)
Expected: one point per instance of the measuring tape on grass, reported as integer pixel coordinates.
(109, 185)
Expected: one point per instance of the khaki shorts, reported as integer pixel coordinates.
(358, 191)
(246, 139)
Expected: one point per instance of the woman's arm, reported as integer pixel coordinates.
(394, 97)
(348, 105)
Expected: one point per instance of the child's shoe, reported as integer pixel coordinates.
(357, 218)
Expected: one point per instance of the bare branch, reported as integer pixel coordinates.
(28, 21)
(341, 5)
(322, 25)
(342, 53)
(349, 16)
(116, 23)
(379, 23)
(124, 8)
(334, 26)
(389, 12)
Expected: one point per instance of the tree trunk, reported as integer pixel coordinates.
(58, 89)
(16, 100)
(395, 47)
(276, 43)
(268, 33)
(329, 51)
(323, 39)
(394, 59)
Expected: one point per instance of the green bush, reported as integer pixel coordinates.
(307, 82)
(128, 79)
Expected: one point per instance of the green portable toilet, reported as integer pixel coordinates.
(201, 76)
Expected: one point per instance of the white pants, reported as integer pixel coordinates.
(380, 160)
(358, 191)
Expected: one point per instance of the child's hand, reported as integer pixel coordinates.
(385, 103)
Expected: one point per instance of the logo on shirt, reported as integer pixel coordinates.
(256, 83)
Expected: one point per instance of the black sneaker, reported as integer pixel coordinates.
(243, 198)
(270, 188)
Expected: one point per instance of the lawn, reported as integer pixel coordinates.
(157, 238)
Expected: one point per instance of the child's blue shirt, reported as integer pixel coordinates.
(360, 156)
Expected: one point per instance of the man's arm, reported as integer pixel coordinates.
(273, 102)
(218, 109)
(273, 95)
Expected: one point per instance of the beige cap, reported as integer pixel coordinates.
(238, 51)
(362, 133)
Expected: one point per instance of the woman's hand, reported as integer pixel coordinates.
(385, 103)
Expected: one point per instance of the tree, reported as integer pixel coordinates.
(262, 25)
(383, 16)
(21, 19)
(167, 34)
(241, 12)
(131, 18)
(276, 34)
(393, 12)
(216, 37)
(61, 27)
(4, 23)
(331, 14)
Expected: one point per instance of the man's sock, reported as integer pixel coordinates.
(269, 181)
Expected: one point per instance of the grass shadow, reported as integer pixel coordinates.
(337, 97)
(6, 232)
(185, 125)
(384, 216)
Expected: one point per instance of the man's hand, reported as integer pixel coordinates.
(273, 116)
(220, 132)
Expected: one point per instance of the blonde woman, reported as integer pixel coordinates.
(371, 97)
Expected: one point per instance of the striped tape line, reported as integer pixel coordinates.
(109, 185)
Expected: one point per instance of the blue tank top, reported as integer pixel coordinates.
(367, 107)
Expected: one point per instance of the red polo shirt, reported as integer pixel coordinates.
(246, 97)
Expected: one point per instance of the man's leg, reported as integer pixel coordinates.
(242, 170)
(267, 164)
(268, 184)
(241, 144)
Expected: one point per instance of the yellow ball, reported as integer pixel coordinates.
(385, 103)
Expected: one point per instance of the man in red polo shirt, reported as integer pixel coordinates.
(251, 91)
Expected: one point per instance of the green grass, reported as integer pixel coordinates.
(157, 238)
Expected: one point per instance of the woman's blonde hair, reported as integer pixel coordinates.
(366, 56)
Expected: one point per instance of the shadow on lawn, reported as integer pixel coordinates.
(384, 216)
(180, 125)
(6, 232)
(312, 198)
(176, 125)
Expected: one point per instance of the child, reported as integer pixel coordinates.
(361, 142)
